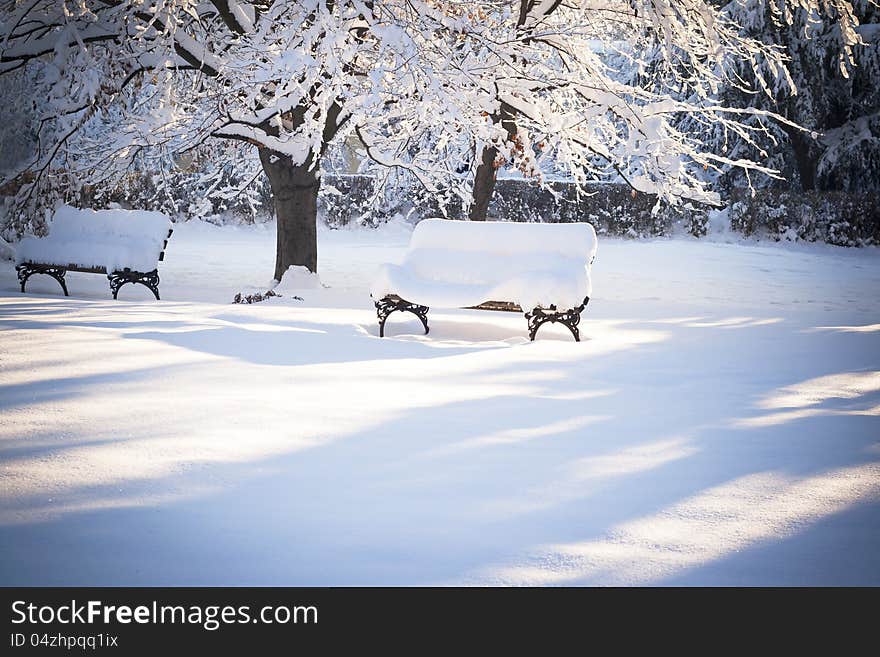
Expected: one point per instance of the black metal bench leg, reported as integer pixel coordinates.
(149, 280)
(25, 271)
(386, 306)
(568, 318)
(116, 282)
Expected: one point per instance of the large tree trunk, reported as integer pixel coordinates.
(295, 191)
(803, 146)
(484, 185)
(484, 178)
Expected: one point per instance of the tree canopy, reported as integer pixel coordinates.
(115, 82)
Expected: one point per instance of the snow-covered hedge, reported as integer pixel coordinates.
(612, 209)
(348, 199)
(840, 218)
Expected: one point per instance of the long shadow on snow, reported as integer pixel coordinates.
(56, 389)
(811, 557)
(404, 502)
(348, 515)
(313, 344)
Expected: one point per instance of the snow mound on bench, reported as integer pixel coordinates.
(113, 239)
(455, 264)
(562, 287)
(506, 237)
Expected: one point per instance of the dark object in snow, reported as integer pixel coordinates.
(256, 298)
(392, 303)
(253, 298)
(568, 318)
(117, 278)
(536, 318)
(25, 271)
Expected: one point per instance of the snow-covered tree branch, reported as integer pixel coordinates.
(433, 87)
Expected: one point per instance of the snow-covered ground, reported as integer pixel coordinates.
(717, 425)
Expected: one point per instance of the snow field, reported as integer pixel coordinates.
(717, 425)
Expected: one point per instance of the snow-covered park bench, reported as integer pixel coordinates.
(492, 265)
(126, 245)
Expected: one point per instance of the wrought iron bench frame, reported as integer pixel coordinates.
(118, 278)
(536, 317)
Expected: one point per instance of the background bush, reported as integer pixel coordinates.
(839, 218)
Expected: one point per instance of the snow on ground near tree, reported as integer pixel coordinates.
(717, 425)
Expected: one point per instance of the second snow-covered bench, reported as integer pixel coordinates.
(126, 245)
(543, 269)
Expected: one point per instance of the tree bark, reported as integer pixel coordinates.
(484, 178)
(484, 185)
(295, 192)
(802, 146)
